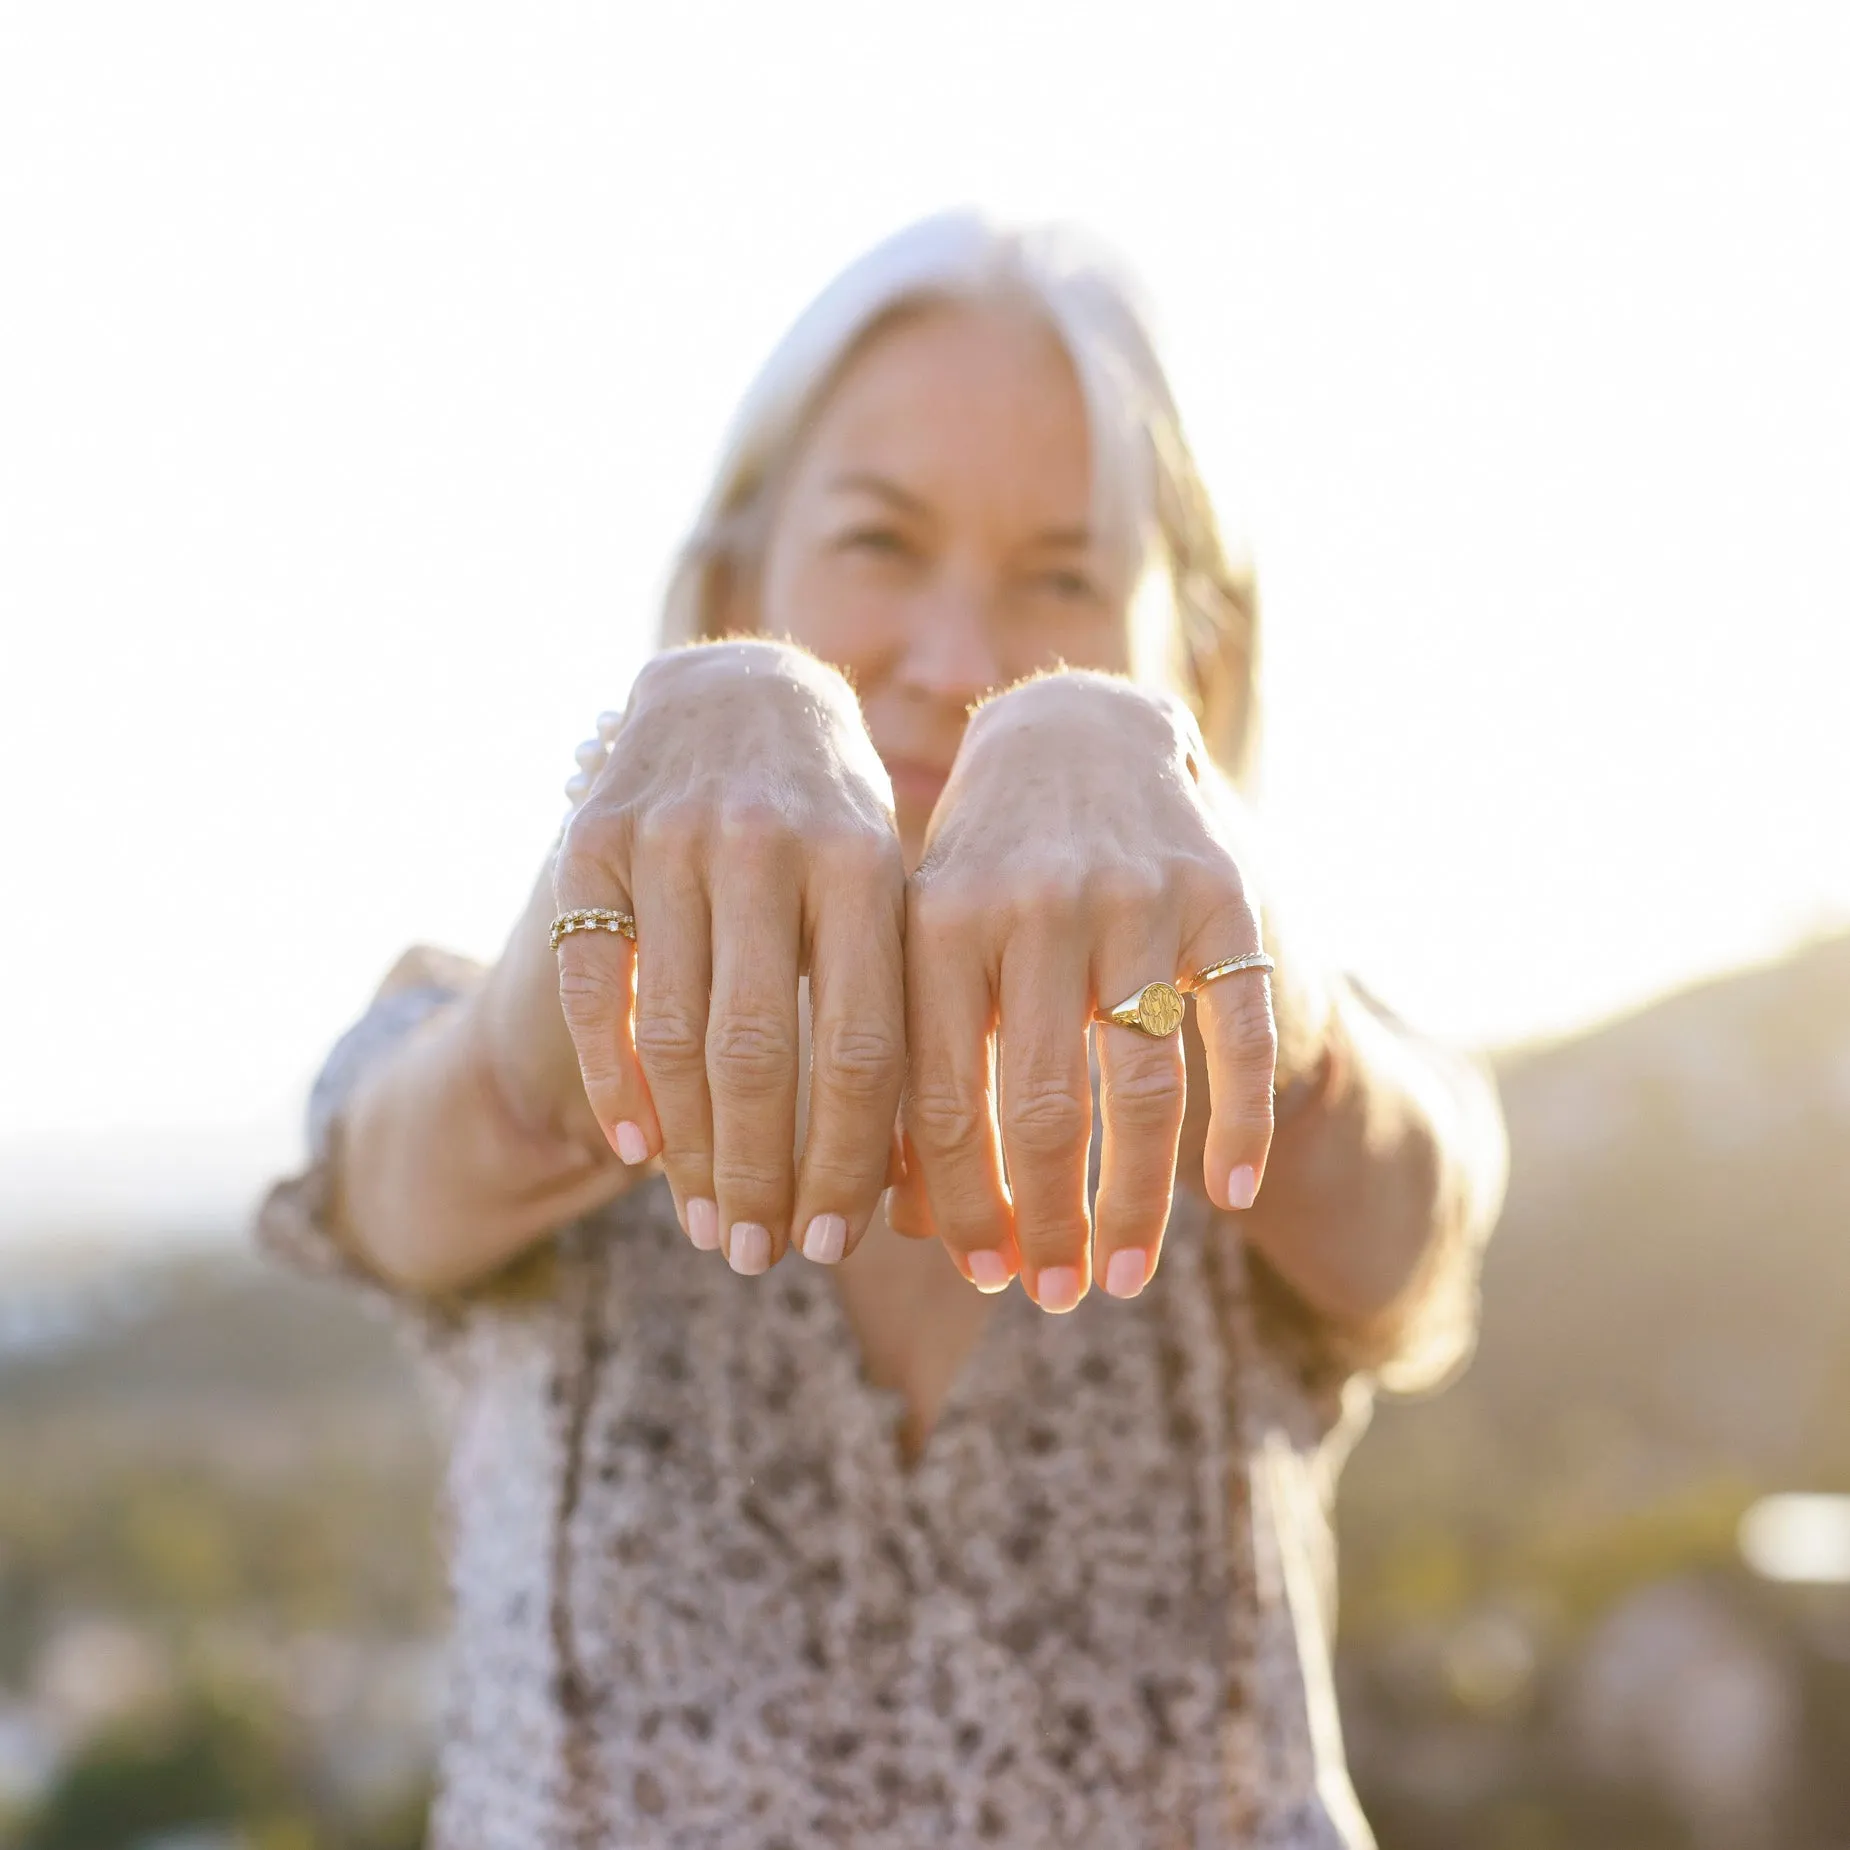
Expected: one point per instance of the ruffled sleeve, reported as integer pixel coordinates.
(296, 1223)
(1431, 1336)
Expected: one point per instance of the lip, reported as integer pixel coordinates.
(916, 781)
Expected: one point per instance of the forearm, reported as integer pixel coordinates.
(445, 1168)
(1391, 1173)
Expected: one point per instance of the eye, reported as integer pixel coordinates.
(1068, 582)
(875, 541)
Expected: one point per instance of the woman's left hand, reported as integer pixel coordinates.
(1073, 858)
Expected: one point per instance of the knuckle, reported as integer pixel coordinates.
(669, 1037)
(1246, 1019)
(851, 850)
(1212, 877)
(859, 1062)
(833, 1176)
(671, 831)
(752, 824)
(751, 1052)
(1048, 1116)
(1050, 1238)
(941, 1117)
(940, 909)
(743, 1177)
(591, 992)
(1047, 891)
(1128, 887)
(591, 846)
(1146, 1091)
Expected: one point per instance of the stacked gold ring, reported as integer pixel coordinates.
(1229, 966)
(593, 918)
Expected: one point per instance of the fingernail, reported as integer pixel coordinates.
(1242, 1186)
(1056, 1288)
(989, 1271)
(1124, 1276)
(750, 1251)
(702, 1223)
(824, 1238)
(632, 1145)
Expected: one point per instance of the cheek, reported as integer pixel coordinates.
(839, 621)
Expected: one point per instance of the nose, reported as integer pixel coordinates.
(950, 657)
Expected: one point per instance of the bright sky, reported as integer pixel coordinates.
(359, 365)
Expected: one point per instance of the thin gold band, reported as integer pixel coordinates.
(1229, 966)
(592, 918)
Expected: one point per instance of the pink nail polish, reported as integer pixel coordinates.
(749, 1252)
(702, 1222)
(1125, 1275)
(1242, 1186)
(1056, 1288)
(632, 1146)
(825, 1239)
(989, 1271)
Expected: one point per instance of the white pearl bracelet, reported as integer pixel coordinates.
(591, 755)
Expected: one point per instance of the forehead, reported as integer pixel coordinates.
(960, 403)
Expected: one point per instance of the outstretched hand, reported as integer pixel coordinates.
(745, 820)
(1074, 857)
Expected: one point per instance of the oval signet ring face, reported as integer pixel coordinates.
(1155, 1010)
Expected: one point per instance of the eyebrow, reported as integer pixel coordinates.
(865, 481)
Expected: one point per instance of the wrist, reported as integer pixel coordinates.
(1096, 705)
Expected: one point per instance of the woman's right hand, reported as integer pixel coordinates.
(745, 820)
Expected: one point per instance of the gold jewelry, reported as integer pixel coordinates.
(592, 918)
(1253, 960)
(1155, 1010)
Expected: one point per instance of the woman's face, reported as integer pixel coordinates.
(934, 535)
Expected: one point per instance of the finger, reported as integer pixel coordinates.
(906, 1205)
(752, 1051)
(597, 996)
(674, 980)
(1047, 1118)
(1241, 1041)
(952, 1146)
(857, 994)
(1143, 1090)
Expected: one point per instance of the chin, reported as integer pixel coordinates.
(913, 827)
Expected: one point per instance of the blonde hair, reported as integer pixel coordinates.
(1195, 617)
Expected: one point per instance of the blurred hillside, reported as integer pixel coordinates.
(219, 1599)
(218, 1574)
(1548, 1636)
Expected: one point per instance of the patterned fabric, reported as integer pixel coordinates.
(700, 1601)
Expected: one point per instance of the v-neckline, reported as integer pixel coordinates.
(887, 1409)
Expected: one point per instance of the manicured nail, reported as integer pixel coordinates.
(1056, 1288)
(702, 1222)
(1125, 1275)
(750, 1251)
(632, 1145)
(989, 1271)
(825, 1238)
(1242, 1186)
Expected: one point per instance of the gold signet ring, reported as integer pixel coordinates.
(1155, 1010)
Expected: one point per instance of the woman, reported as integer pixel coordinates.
(863, 902)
